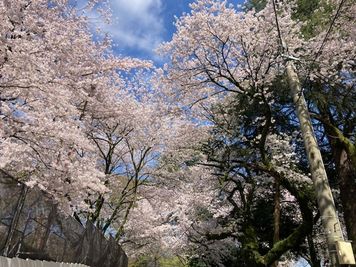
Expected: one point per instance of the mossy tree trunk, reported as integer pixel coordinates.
(344, 157)
(324, 196)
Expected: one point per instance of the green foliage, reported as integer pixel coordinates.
(202, 213)
(140, 262)
(171, 262)
(315, 13)
(263, 223)
(256, 4)
(197, 262)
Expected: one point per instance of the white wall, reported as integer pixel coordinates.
(16, 262)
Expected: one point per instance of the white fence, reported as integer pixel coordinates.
(17, 262)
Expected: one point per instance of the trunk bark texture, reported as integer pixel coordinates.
(276, 214)
(344, 157)
(323, 193)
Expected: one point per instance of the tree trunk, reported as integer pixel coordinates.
(94, 216)
(120, 231)
(347, 184)
(314, 260)
(323, 193)
(344, 158)
(276, 214)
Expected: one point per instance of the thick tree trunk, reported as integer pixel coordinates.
(344, 157)
(347, 184)
(314, 260)
(250, 248)
(276, 214)
(323, 193)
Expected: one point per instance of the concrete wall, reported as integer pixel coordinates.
(16, 262)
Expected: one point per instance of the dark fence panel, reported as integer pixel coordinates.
(32, 227)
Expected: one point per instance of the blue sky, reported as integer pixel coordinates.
(139, 26)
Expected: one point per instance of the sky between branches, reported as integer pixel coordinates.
(139, 26)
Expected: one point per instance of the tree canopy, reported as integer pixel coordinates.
(200, 162)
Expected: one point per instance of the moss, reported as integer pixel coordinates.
(348, 145)
(290, 242)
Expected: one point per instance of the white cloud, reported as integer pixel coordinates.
(137, 24)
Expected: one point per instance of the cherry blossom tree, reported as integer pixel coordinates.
(130, 141)
(166, 210)
(218, 50)
(52, 72)
(202, 159)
